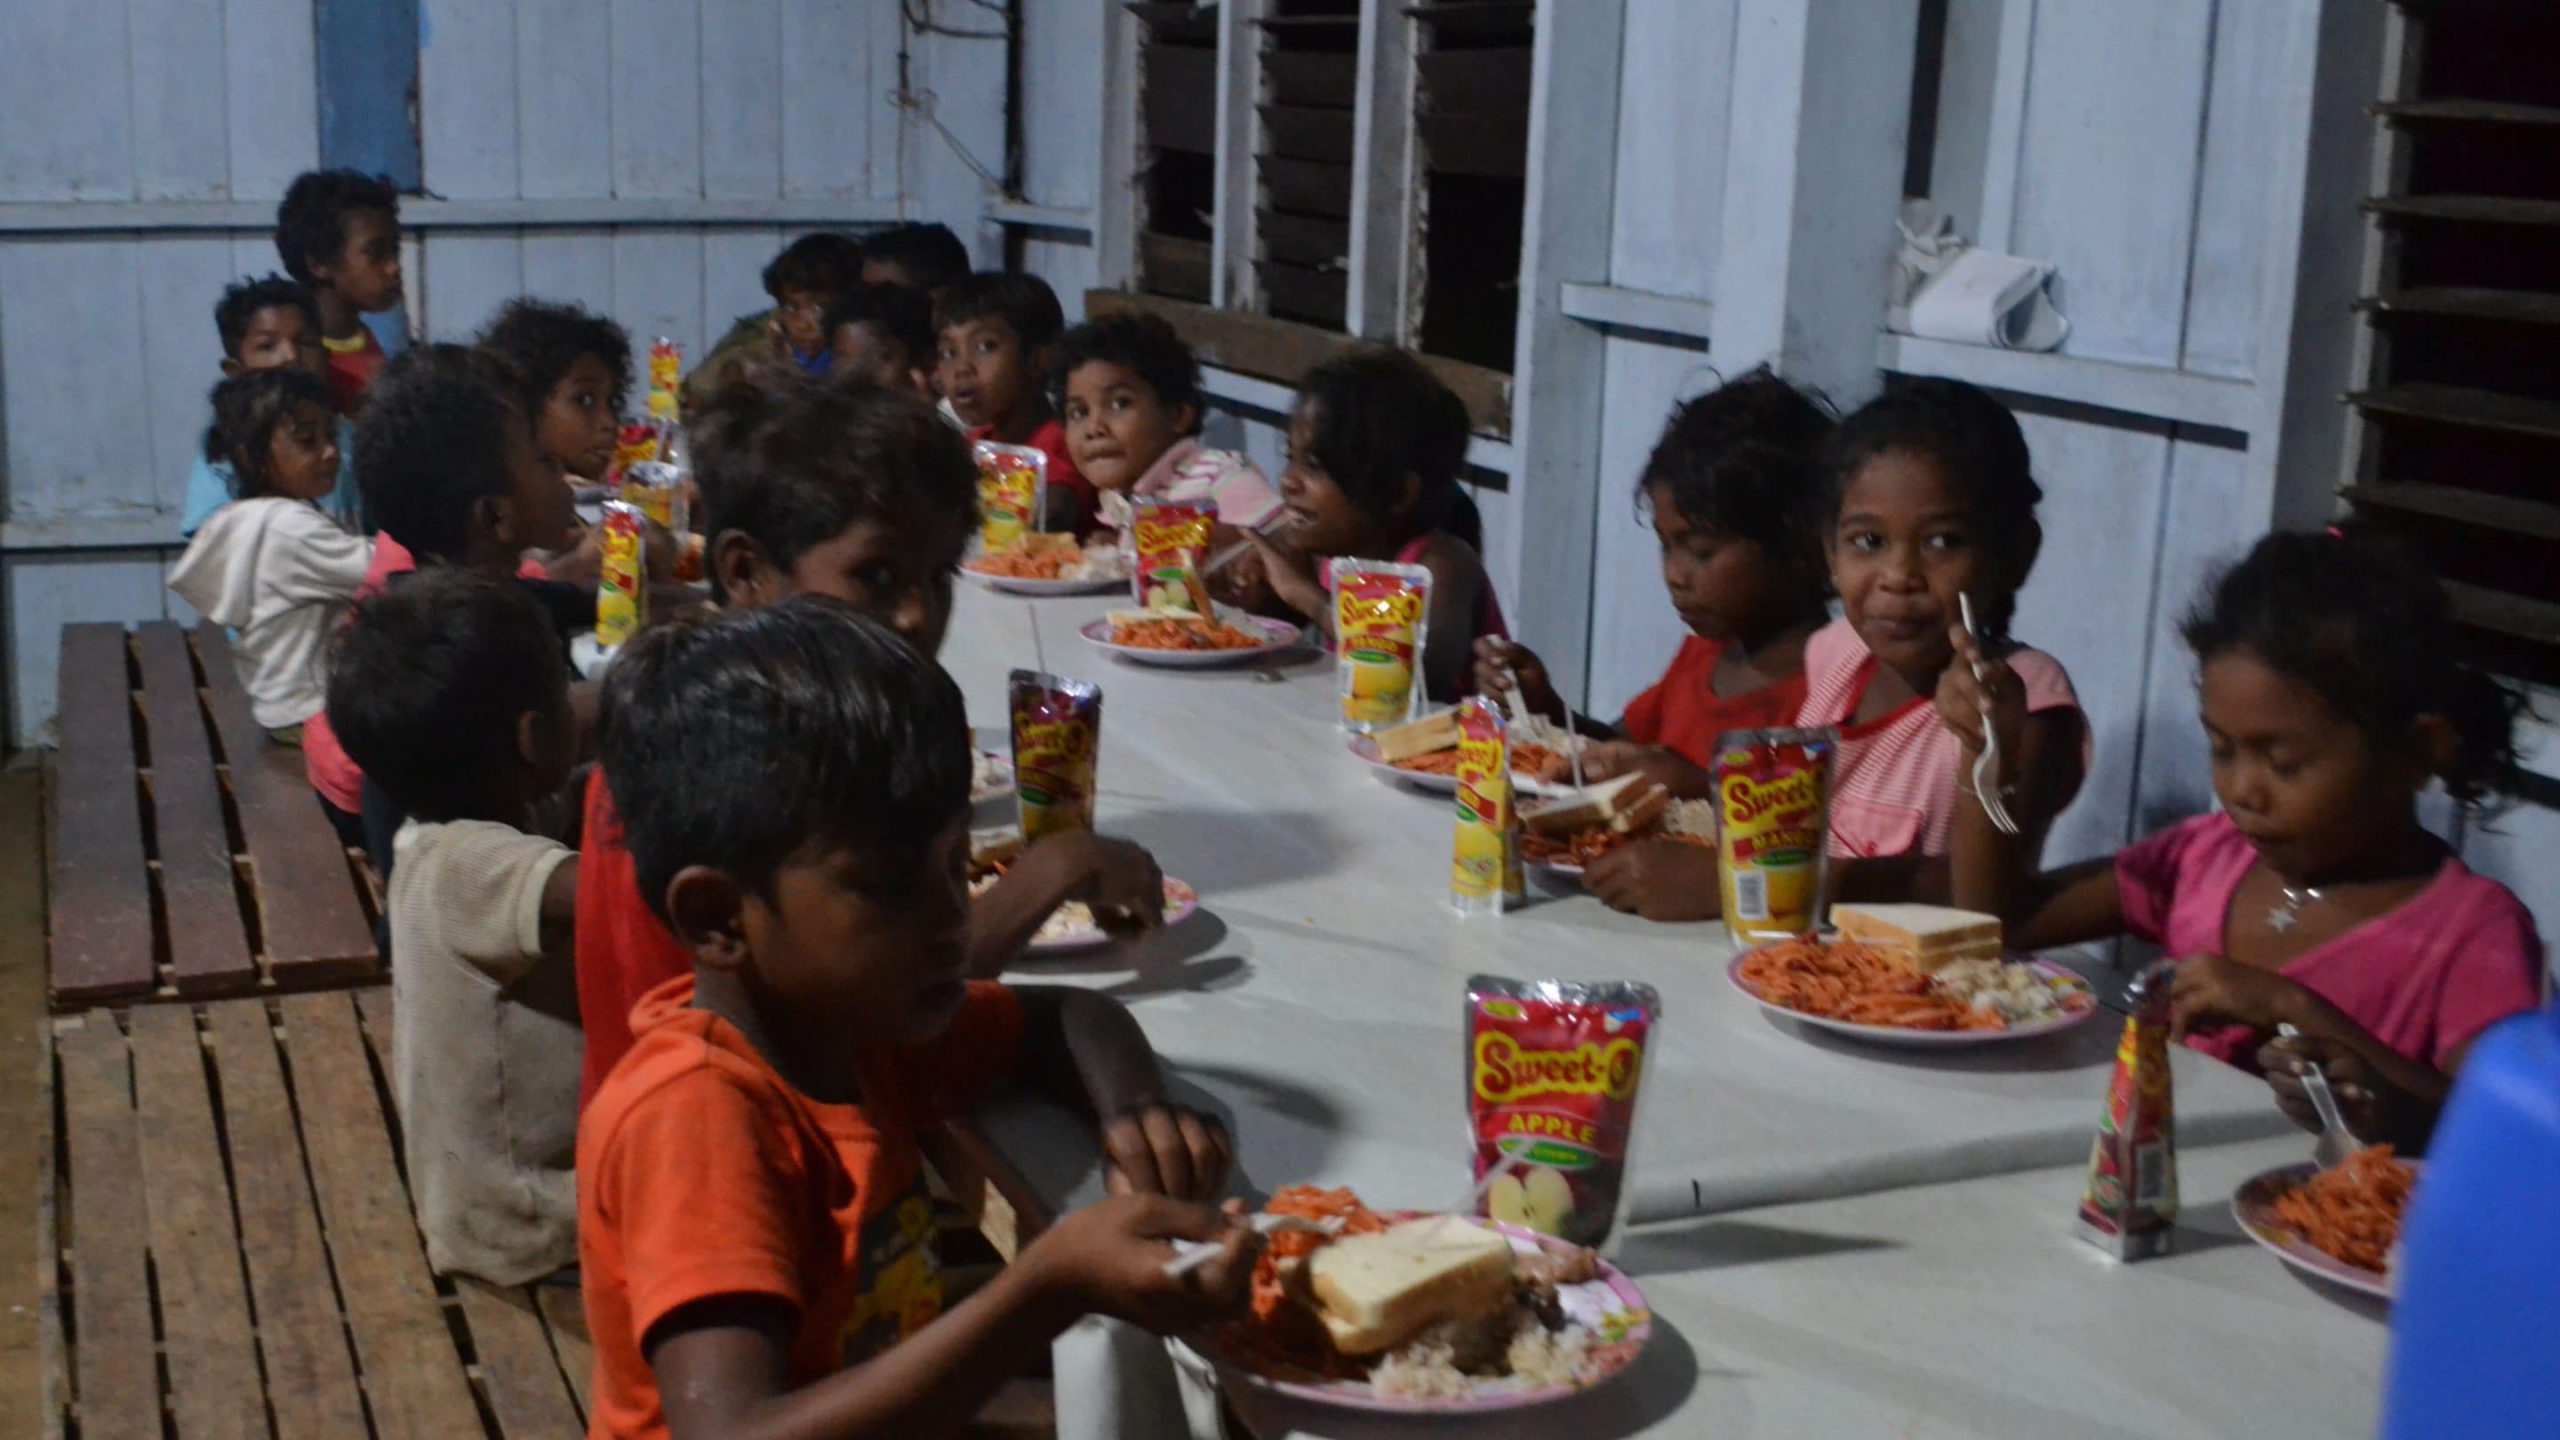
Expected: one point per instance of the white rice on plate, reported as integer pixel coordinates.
(1534, 1358)
(2014, 992)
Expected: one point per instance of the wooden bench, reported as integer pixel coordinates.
(231, 1240)
(188, 856)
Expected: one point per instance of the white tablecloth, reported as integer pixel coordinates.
(1316, 1003)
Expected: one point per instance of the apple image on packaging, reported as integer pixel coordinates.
(1539, 1199)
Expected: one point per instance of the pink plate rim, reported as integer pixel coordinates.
(2253, 1206)
(1181, 903)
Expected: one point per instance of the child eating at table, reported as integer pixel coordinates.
(449, 692)
(573, 371)
(455, 479)
(338, 232)
(2334, 686)
(866, 497)
(271, 564)
(883, 334)
(1730, 489)
(267, 323)
(755, 1236)
(997, 332)
(1931, 503)
(1376, 444)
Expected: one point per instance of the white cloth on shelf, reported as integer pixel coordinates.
(1946, 288)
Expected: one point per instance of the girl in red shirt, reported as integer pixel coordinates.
(1730, 488)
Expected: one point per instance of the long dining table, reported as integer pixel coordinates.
(1903, 1213)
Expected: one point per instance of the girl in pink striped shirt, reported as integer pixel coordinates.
(2333, 689)
(1933, 503)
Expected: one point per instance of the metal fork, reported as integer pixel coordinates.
(1190, 1255)
(1986, 766)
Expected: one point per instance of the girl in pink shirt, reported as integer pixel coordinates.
(1933, 504)
(2334, 689)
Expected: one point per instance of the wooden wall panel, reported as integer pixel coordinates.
(176, 154)
(1062, 106)
(269, 59)
(741, 54)
(467, 132)
(657, 286)
(2232, 200)
(2107, 167)
(469, 274)
(2206, 525)
(1672, 137)
(657, 89)
(71, 332)
(66, 103)
(2088, 604)
(733, 264)
(181, 356)
(47, 592)
(828, 107)
(564, 98)
(575, 266)
(1634, 630)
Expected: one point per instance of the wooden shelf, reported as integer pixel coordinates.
(2481, 209)
(2470, 409)
(2457, 302)
(2517, 615)
(2490, 112)
(2536, 518)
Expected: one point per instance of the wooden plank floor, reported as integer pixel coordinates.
(236, 1254)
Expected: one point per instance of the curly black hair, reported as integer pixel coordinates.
(1145, 345)
(1376, 415)
(903, 314)
(1024, 302)
(1974, 441)
(247, 408)
(745, 738)
(791, 462)
(2363, 624)
(1745, 459)
(427, 682)
(930, 254)
(311, 221)
(434, 441)
(541, 339)
(827, 262)
(243, 298)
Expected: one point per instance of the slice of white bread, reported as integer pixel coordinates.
(1375, 1292)
(1627, 804)
(1417, 737)
(1926, 936)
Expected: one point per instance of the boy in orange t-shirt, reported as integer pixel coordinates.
(754, 1234)
(995, 334)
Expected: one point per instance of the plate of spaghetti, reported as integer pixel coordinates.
(1050, 565)
(1854, 989)
(1437, 771)
(2339, 1225)
(1567, 1321)
(1688, 822)
(1189, 642)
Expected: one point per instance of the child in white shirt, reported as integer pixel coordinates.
(272, 565)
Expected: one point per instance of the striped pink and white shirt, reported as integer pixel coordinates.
(1893, 784)
(1192, 471)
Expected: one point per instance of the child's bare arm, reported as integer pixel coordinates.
(722, 1363)
(1118, 878)
(560, 911)
(1086, 1049)
(2040, 770)
(1457, 589)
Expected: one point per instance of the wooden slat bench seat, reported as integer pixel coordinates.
(188, 856)
(237, 1246)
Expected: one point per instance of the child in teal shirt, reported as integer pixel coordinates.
(267, 323)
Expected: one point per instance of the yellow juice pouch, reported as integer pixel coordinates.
(1381, 621)
(657, 488)
(666, 368)
(1057, 740)
(1773, 805)
(622, 590)
(1484, 871)
(1013, 493)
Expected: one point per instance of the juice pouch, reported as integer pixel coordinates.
(657, 489)
(1484, 872)
(1773, 812)
(1057, 733)
(1552, 1070)
(1170, 537)
(622, 590)
(1013, 492)
(666, 366)
(1381, 621)
(2130, 1207)
(636, 441)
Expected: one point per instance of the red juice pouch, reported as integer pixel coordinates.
(636, 441)
(2129, 1209)
(1057, 739)
(1552, 1071)
(1170, 538)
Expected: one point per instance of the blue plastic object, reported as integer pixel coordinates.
(2475, 1332)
